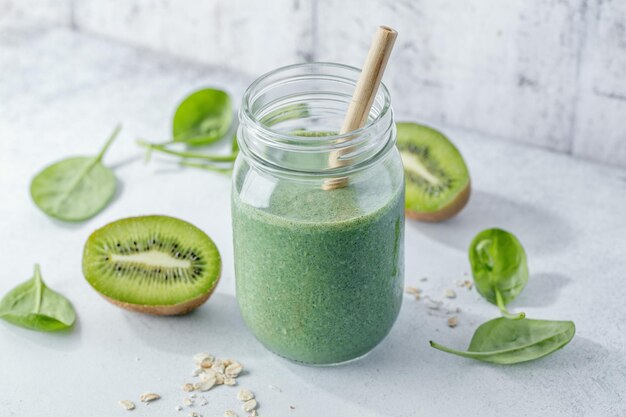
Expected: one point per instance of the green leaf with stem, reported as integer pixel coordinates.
(77, 188)
(505, 313)
(203, 117)
(35, 306)
(507, 342)
(207, 167)
(499, 268)
(186, 154)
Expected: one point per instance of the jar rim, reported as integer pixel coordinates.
(287, 138)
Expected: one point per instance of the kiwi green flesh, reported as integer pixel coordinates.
(437, 179)
(152, 262)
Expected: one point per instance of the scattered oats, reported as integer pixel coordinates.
(230, 381)
(249, 405)
(188, 402)
(188, 387)
(207, 363)
(244, 395)
(453, 321)
(198, 358)
(193, 414)
(415, 292)
(218, 366)
(450, 293)
(149, 396)
(208, 374)
(127, 405)
(205, 385)
(230, 413)
(468, 284)
(433, 304)
(412, 290)
(227, 362)
(179, 408)
(253, 414)
(219, 379)
(233, 370)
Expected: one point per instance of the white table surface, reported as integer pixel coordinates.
(61, 94)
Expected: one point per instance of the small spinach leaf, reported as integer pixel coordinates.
(34, 306)
(505, 341)
(203, 117)
(499, 267)
(75, 189)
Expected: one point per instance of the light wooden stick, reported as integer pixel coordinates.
(363, 97)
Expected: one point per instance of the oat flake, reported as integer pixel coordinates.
(205, 385)
(127, 404)
(233, 370)
(249, 405)
(245, 395)
(149, 396)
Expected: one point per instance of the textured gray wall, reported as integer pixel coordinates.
(542, 72)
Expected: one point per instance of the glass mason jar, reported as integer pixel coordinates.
(319, 269)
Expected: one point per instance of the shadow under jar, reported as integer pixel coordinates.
(319, 271)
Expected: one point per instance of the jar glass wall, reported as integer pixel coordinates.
(319, 271)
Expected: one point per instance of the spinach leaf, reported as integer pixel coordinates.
(505, 341)
(203, 117)
(77, 188)
(34, 306)
(499, 267)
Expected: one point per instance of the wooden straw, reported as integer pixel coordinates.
(363, 97)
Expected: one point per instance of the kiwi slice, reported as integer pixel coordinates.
(152, 264)
(436, 177)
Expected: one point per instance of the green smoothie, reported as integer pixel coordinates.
(320, 273)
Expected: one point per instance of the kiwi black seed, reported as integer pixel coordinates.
(144, 264)
(436, 176)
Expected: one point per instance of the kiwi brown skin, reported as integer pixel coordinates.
(446, 212)
(166, 310)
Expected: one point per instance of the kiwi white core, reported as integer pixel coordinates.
(153, 258)
(412, 163)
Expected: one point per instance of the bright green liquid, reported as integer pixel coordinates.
(316, 290)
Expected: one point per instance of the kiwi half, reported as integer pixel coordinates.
(152, 264)
(436, 177)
